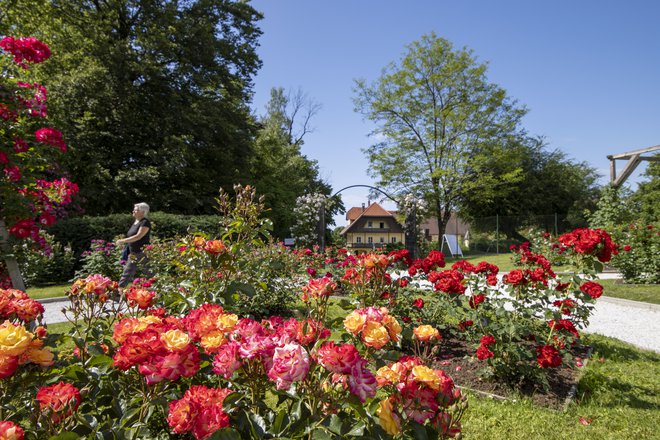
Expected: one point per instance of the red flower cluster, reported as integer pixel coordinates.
(158, 347)
(35, 105)
(52, 137)
(348, 368)
(139, 294)
(433, 261)
(448, 281)
(418, 393)
(595, 242)
(565, 325)
(26, 49)
(318, 288)
(592, 289)
(199, 411)
(548, 356)
(483, 352)
(10, 431)
(58, 401)
(17, 305)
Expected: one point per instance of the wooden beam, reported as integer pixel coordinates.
(627, 171)
(630, 154)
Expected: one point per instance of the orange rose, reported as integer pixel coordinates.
(354, 322)
(388, 420)
(426, 333)
(375, 335)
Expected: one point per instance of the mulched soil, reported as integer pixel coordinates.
(458, 359)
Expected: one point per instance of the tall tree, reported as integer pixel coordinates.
(546, 183)
(152, 94)
(433, 110)
(281, 172)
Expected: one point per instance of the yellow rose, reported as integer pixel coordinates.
(212, 341)
(227, 322)
(145, 321)
(354, 322)
(386, 376)
(40, 356)
(425, 333)
(426, 375)
(393, 327)
(14, 339)
(387, 419)
(175, 339)
(375, 335)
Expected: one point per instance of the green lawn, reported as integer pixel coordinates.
(48, 292)
(649, 293)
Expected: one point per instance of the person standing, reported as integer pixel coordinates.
(137, 236)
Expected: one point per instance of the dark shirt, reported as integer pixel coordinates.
(136, 246)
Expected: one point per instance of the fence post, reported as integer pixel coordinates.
(10, 260)
(556, 229)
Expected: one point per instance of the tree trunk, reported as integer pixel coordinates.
(10, 260)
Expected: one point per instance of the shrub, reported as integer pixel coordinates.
(638, 254)
(41, 267)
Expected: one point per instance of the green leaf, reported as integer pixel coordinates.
(67, 435)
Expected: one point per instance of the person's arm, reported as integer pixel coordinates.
(140, 233)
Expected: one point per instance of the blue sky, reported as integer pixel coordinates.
(587, 70)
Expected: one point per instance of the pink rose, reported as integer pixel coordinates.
(290, 364)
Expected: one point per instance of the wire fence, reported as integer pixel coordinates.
(497, 233)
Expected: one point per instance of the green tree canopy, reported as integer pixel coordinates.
(646, 200)
(546, 183)
(281, 172)
(151, 95)
(435, 111)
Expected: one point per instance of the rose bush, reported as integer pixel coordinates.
(28, 151)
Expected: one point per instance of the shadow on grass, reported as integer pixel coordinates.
(620, 375)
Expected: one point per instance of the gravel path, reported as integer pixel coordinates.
(635, 322)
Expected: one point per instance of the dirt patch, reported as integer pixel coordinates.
(459, 360)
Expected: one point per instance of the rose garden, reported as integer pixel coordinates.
(237, 336)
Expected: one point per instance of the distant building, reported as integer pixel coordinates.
(455, 226)
(371, 227)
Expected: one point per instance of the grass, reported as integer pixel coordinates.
(48, 291)
(619, 394)
(649, 293)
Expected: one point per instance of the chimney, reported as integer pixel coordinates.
(363, 207)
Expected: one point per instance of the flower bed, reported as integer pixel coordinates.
(202, 351)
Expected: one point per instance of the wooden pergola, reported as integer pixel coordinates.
(633, 158)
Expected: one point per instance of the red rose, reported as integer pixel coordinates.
(548, 356)
(419, 303)
(475, 300)
(627, 248)
(594, 290)
(484, 353)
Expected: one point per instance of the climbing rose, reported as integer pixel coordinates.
(25, 49)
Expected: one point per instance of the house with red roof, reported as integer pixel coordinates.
(371, 227)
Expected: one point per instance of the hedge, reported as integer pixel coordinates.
(78, 232)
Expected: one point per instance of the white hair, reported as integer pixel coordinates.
(143, 207)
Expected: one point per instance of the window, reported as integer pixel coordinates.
(382, 239)
(370, 225)
(382, 225)
(358, 239)
(393, 239)
(370, 239)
